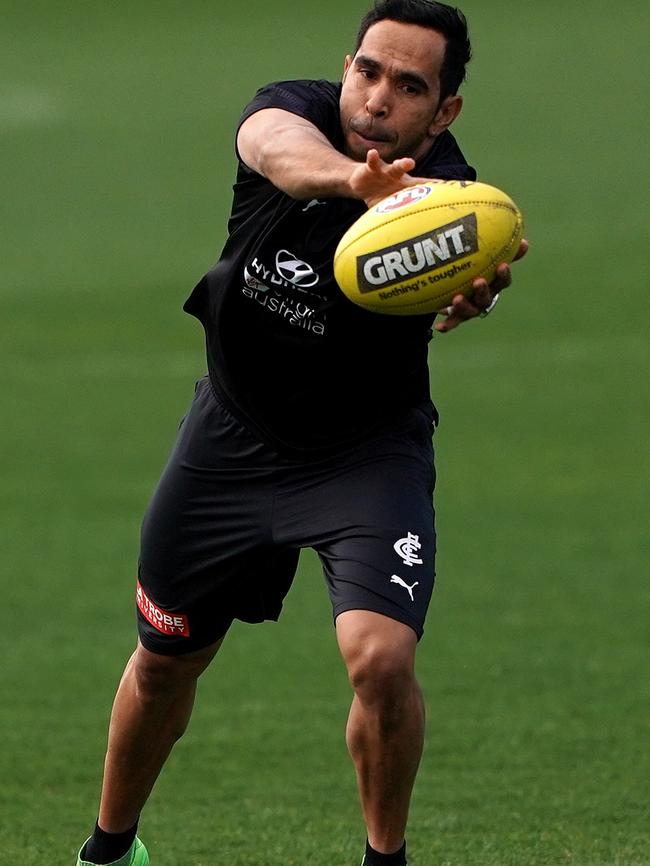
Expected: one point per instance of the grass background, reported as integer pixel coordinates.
(116, 126)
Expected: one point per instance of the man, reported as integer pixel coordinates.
(313, 428)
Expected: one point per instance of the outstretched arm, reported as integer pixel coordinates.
(298, 159)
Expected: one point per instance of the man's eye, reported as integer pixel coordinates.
(367, 73)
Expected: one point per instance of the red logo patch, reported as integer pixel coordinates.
(167, 623)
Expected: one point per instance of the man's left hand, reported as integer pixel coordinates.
(463, 308)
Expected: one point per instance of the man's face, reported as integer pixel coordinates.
(391, 90)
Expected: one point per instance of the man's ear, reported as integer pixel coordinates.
(446, 114)
(346, 65)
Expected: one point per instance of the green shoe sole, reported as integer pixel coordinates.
(136, 856)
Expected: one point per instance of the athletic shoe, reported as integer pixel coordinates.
(136, 856)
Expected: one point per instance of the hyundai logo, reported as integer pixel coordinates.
(294, 270)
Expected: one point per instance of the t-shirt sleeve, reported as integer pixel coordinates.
(315, 101)
(445, 161)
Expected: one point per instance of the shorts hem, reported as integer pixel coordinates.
(176, 649)
(392, 613)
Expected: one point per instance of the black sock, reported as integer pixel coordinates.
(374, 858)
(103, 847)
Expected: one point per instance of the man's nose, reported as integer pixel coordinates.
(378, 101)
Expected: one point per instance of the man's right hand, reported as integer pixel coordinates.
(375, 179)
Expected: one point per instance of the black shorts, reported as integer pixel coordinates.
(223, 532)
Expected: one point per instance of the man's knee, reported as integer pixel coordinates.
(379, 654)
(377, 672)
(157, 674)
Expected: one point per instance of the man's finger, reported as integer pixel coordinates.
(449, 323)
(523, 249)
(482, 294)
(502, 279)
(373, 159)
(403, 165)
(460, 310)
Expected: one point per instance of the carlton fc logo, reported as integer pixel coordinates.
(294, 270)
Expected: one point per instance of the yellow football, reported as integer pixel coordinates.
(412, 252)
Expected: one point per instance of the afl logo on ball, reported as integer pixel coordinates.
(403, 198)
(294, 270)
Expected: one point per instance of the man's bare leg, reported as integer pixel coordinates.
(151, 711)
(385, 730)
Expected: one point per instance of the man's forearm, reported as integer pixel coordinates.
(295, 156)
(298, 159)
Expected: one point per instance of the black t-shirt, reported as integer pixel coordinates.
(295, 360)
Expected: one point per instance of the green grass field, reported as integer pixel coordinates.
(116, 124)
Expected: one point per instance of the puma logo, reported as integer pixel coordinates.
(400, 582)
(312, 203)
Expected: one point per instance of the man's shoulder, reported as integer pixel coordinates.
(315, 100)
(300, 95)
(445, 160)
(295, 88)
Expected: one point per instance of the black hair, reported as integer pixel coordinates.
(447, 20)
